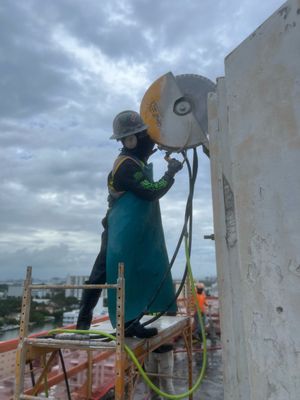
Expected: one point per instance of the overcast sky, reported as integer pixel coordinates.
(67, 67)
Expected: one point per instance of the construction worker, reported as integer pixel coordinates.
(133, 231)
(160, 362)
(202, 303)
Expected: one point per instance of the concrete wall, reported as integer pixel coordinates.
(254, 124)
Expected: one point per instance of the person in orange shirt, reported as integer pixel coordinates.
(201, 299)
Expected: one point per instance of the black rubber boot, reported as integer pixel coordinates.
(134, 328)
(88, 302)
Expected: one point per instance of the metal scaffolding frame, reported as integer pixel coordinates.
(125, 371)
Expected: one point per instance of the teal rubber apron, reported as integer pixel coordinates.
(136, 238)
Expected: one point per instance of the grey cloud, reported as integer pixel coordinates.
(110, 26)
(34, 75)
(56, 170)
(24, 211)
(57, 260)
(56, 116)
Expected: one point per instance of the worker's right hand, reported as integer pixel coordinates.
(173, 166)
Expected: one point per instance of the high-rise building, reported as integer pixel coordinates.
(75, 280)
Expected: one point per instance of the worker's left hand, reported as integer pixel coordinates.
(173, 166)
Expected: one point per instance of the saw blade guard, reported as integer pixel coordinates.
(175, 110)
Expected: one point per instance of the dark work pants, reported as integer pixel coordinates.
(97, 276)
(98, 273)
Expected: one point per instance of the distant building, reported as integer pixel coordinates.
(75, 280)
(41, 293)
(70, 317)
(56, 281)
(42, 301)
(213, 290)
(15, 290)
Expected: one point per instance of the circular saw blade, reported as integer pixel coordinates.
(175, 110)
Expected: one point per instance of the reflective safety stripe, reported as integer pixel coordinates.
(154, 185)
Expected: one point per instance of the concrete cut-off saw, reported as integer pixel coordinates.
(175, 110)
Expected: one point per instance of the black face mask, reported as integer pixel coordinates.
(145, 146)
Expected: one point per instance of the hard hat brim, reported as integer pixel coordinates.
(138, 130)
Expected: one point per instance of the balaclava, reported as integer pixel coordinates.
(144, 147)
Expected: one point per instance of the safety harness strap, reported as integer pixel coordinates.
(119, 161)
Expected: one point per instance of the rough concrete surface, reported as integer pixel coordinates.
(254, 134)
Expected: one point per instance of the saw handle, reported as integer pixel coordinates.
(167, 156)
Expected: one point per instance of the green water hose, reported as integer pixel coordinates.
(136, 361)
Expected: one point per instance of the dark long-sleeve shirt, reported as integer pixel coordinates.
(130, 176)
